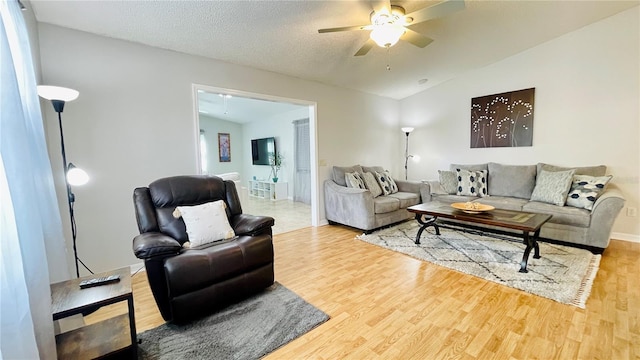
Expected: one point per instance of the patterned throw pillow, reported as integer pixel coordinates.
(383, 181)
(472, 183)
(585, 190)
(354, 180)
(372, 184)
(552, 187)
(448, 181)
(392, 183)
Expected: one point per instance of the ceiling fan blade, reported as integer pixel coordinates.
(433, 12)
(415, 38)
(365, 48)
(381, 6)
(345, 28)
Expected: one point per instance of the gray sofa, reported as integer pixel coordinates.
(358, 207)
(511, 187)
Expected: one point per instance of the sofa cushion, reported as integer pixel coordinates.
(585, 190)
(598, 170)
(354, 180)
(373, 169)
(472, 183)
(552, 187)
(512, 180)
(406, 199)
(371, 184)
(565, 215)
(504, 202)
(385, 204)
(339, 171)
(450, 199)
(448, 181)
(469, 167)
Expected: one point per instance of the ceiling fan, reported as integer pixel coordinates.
(389, 23)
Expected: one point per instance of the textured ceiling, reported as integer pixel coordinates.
(282, 36)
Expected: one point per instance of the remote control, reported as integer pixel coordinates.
(99, 281)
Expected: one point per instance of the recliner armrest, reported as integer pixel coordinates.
(152, 244)
(245, 224)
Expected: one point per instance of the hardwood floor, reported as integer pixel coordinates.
(388, 305)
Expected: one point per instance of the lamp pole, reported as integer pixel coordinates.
(407, 131)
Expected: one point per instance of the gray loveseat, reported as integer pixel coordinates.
(512, 187)
(359, 208)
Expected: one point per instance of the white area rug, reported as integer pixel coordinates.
(564, 274)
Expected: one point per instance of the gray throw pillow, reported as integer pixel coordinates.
(448, 181)
(585, 190)
(372, 184)
(553, 187)
(512, 180)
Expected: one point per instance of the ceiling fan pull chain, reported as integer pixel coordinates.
(389, 58)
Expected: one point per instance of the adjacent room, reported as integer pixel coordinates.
(320, 179)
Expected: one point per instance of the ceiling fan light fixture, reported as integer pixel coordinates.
(387, 35)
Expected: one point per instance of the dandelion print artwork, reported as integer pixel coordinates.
(502, 120)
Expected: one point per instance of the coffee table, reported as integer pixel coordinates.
(427, 214)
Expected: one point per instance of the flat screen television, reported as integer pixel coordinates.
(261, 149)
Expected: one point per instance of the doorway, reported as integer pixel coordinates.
(238, 117)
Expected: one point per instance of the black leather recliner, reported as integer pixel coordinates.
(190, 282)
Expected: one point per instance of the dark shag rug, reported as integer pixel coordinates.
(564, 274)
(250, 329)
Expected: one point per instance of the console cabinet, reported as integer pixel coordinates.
(268, 190)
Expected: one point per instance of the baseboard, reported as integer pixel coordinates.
(135, 268)
(625, 237)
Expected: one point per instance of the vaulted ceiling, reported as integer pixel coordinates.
(282, 36)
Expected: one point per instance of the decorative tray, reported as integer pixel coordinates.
(472, 207)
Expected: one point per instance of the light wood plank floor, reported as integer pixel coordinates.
(390, 306)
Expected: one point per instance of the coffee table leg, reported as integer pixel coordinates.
(536, 254)
(532, 243)
(426, 224)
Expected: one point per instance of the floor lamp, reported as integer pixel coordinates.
(73, 175)
(407, 131)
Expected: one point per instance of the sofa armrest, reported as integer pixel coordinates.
(608, 204)
(349, 206)
(153, 244)
(603, 215)
(245, 224)
(416, 187)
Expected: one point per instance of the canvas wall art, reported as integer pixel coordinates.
(502, 120)
(224, 145)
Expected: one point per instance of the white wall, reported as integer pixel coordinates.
(586, 108)
(212, 127)
(134, 123)
(281, 128)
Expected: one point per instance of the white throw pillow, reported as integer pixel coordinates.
(206, 223)
(354, 180)
(472, 183)
(392, 183)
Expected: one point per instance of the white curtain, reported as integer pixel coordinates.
(32, 247)
(302, 167)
